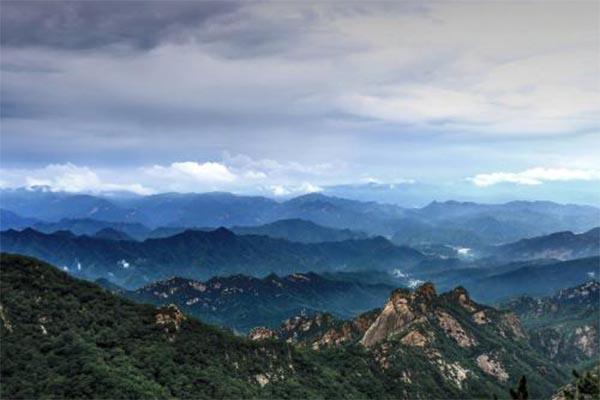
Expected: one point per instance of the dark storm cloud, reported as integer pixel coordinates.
(81, 25)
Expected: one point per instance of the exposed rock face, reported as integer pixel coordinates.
(511, 324)
(262, 379)
(586, 339)
(452, 371)
(406, 309)
(397, 315)
(422, 324)
(170, 317)
(262, 333)
(564, 327)
(305, 328)
(335, 336)
(415, 339)
(324, 330)
(492, 367)
(455, 330)
(480, 318)
(5, 321)
(426, 291)
(461, 296)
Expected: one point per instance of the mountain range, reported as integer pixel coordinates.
(494, 283)
(294, 230)
(202, 255)
(560, 245)
(242, 302)
(565, 325)
(457, 223)
(419, 344)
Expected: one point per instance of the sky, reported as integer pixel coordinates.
(285, 98)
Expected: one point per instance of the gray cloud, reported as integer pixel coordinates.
(390, 90)
(84, 25)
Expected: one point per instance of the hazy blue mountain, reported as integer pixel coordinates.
(242, 302)
(201, 255)
(473, 225)
(418, 194)
(535, 280)
(90, 227)
(560, 245)
(418, 232)
(370, 217)
(112, 234)
(298, 230)
(166, 231)
(202, 209)
(11, 220)
(496, 223)
(490, 282)
(52, 206)
(471, 222)
(404, 194)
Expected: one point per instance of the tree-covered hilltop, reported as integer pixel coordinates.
(585, 386)
(243, 302)
(66, 338)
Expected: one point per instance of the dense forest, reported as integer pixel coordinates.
(67, 338)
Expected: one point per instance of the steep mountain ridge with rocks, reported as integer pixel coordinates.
(565, 326)
(449, 332)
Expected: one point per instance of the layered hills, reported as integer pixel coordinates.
(202, 255)
(456, 223)
(560, 245)
(79, 340)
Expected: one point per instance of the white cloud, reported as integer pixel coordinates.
(69, 178)
(536, 176)
(303, 188)
(239, 174)
(208, 172)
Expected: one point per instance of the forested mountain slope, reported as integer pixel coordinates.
(79, 340)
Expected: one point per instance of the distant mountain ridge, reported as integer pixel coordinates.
(112, 234)
(201, 255)
(498, 282)
(242, 302)
(478, 223)
(299, 230)
(537, 280)
(560, 245)
(295, 230)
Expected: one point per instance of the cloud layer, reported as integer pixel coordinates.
(239, 173)
(311, 93)
(536, 176)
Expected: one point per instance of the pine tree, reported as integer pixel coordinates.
(521, 393)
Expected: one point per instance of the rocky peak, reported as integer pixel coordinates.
(262, 333)
(170, 318)
(398, 313)
(461, 296)
(586, 292)
(426, 291)
(305, 327)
